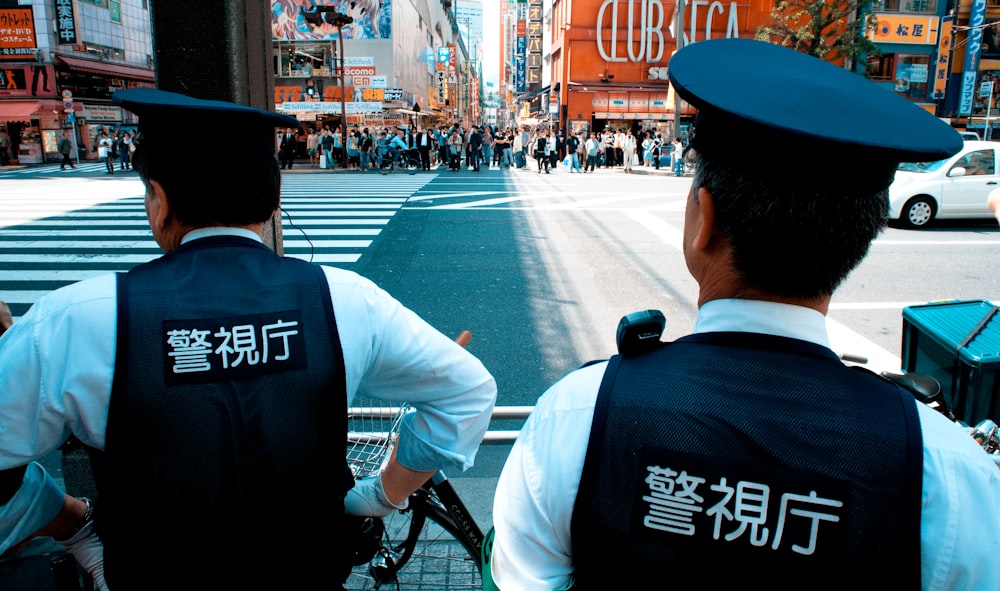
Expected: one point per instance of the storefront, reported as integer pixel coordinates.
(609, 59)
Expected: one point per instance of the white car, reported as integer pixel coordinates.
(954, 188)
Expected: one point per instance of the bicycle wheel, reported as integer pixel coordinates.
(422, 549)
(386, 167)
(412, 165)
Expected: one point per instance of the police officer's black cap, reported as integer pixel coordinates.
(762, 107)
(167, 116)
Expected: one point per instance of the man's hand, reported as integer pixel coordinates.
(88, 550)
(6, 318)
(368, 498)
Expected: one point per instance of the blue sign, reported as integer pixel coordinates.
(977, 16)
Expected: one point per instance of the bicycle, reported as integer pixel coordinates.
(434, 543)
(408, 160)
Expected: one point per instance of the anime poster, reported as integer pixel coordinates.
(372, 19)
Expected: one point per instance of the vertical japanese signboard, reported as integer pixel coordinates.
(534, 55)
(65, 22)
(977, 16)
(941, 68)
(441, 72)
(520, 51)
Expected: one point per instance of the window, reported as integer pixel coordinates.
(912, 6)
(908, 73)
(978, 162)
(881, 67)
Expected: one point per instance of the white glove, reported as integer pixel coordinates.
(88, 550)
(368, 498)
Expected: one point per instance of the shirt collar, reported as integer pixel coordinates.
(220, 231)
(785, 320)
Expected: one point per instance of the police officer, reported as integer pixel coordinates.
(747, 454)
(211, 385)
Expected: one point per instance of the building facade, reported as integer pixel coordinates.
(396, 62)
(60, 62)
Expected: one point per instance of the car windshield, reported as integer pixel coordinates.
(921, 166)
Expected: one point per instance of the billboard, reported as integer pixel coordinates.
(372, 19)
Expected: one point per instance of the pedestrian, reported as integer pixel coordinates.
(125, 150)
(609, 149)
(593, 147)
(104, 151)
(542, 151)
(657, 148)
(678, 156)
(574, 147)
(425, 143)
(510, 148)
(367, 145)
(444, 156)
(354, 149)
(326, 143)
(455, 149)
(555, 149)
(312, 148)
(475, 147)
(489, 139)
(338, 148)
(211, 386)
(628, 150)
(748, 454)
(66, 148)
(4, 148)
(647, 150)
(287, 149)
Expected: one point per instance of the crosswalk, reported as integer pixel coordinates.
(56, 232)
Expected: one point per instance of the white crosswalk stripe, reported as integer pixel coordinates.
(53, 236)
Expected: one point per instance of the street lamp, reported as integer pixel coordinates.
(337, 19)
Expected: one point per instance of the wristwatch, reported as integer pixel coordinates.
(79, 524)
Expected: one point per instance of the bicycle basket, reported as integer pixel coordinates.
(372, 428)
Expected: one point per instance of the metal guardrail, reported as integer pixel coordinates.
(388, 412)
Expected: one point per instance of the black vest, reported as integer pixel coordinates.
(224, 464)
(728, 460)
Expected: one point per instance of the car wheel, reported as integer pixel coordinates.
(918, 212)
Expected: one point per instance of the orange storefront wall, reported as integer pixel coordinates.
(599, 51)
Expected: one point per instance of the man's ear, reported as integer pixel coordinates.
(157, 206)
(706, 220)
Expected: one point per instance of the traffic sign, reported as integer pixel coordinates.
(67, 94)
(68, 105)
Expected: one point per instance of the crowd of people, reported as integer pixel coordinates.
(114, 147)
(456, 147)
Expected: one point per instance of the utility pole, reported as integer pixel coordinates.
(679, 38)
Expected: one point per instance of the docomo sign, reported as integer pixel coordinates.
(651, 18)
(359, 70)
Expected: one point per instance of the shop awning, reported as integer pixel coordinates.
(410, 112)
(532, 93)
(107, 68)
(23, 110)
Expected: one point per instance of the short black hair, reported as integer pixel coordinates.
(787, 238)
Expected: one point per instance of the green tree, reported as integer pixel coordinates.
(831, 30)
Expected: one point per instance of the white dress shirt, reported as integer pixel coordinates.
(57, 366)
(533, 506)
